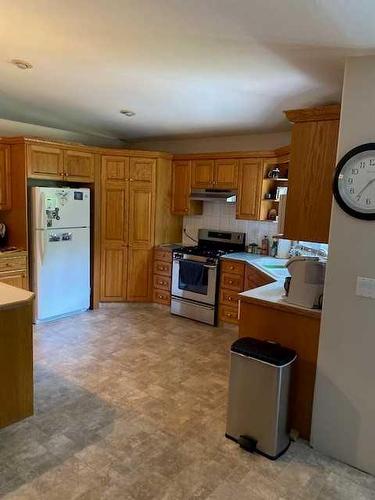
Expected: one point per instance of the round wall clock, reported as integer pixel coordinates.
(354, 182)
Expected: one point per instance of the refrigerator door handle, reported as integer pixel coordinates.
(42, 244)
(42, 211)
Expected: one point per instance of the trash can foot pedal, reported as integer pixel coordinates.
(247, 443)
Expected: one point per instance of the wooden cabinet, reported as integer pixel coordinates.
(214, 174)
(114, 228)
(13, 270)
(226, 174)
(5, 178)
(57, 163)
(132, 189)
(249, 189)
(235, 277)
(296, 330)
(202, 174)
(45, 162)
(312, 163)
(162, 276)
(79, 166)
(181, 189)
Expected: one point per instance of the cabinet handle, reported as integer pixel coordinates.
(229, 315)
(230, 282)
(230, 299)
(231, 268)
(186, 210)
(161, 283)
(160, 296)
(131, 180)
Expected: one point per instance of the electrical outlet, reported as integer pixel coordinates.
(365, 287)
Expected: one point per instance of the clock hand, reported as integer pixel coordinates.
(364, 189)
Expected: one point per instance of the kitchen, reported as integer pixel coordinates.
(127, 274)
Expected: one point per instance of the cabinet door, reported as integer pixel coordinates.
(312, 163)
(114, 228)
(5, 180)
(79, 166)
(255, 278)
(16, 278)
(181, 180)
(249, 189)
(226, 174)
(140, 275)
(142, 169)
(202, 174)
(113, 274)
(141, 212)
(45, 162)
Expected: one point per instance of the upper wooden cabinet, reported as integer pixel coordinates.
(202, 174)
(51, 162)
(249, 189)
(142, 169)
(5, 178)
(226, 174)
(45, 162)
(312, 163)
(79, 166)
(181, 189)
(214, 174)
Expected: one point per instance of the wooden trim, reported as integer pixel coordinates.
(320, 113)
(224, 155)
(82, 147)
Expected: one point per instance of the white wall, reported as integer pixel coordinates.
(344, 406)
(247, 142)
(10, 128)
(221, 215)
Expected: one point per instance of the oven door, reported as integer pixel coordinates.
(194, 281)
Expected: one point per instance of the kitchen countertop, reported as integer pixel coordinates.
(262, 262)
(11, 297)
(272, 296)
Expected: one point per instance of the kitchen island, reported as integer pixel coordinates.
(16, 354)
(265, 315)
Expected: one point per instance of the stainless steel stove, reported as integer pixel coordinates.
(195, 274)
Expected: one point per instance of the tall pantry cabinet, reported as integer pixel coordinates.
(135, 217)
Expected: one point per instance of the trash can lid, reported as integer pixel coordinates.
(263, 350)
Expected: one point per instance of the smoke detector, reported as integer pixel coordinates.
(21, 64)
(127, 112)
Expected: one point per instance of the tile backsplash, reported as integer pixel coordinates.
(221, 215)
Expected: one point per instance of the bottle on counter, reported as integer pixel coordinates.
(265, 246)
(274, 246)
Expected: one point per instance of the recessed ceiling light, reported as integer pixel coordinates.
(21, 64)
(127, 112)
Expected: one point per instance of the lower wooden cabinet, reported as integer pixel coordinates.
(13, 271)
(235, 277)
(114, 270)
(162, 278)
(139, 275)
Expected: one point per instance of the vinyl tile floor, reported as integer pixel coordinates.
(131, 404)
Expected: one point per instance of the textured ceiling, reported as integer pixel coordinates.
(186, 67)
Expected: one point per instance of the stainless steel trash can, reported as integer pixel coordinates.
(260, 373)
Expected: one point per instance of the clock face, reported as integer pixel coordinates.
(354, 184)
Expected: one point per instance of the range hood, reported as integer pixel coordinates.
(213, 195)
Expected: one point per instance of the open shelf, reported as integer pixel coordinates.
(270, 184)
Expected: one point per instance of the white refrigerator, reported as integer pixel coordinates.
(61, 251)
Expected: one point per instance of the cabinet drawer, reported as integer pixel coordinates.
(13, 263)
(162, 282)
(232, 281)
(163, 255)
(230, 266)
(162, 297)
(229, 314)
(228, 297)
(163, 268)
